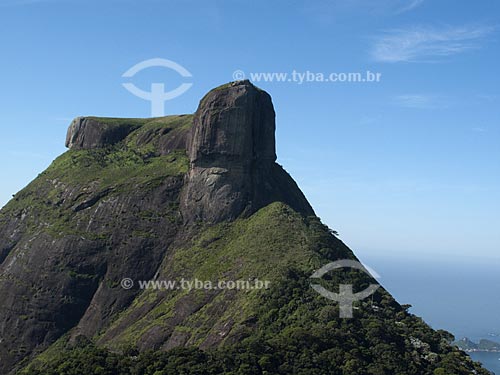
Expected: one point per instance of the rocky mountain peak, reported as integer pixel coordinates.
(231, 149)
(234, 123)
(232, 156)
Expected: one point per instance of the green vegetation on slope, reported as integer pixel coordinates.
(313, 342)
(287, 329)
(260, 247)
(79, 177)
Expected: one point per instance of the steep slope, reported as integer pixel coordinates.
(66, 239)
(196, 198)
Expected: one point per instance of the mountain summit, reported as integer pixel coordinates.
(199, 199)
(232, 156)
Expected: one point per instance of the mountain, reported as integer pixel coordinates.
(466, 344)
(484, 345)
(488, 345)
(197, 199)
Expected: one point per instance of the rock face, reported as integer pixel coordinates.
(232, 157)
(234, 125)
(88, 133)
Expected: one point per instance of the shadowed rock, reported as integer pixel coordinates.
(88, 133)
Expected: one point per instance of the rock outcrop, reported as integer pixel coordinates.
(89, 132)
(233, 125)
(232, 157)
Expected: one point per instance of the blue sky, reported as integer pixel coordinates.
(408, 165)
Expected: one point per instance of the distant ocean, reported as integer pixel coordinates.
(491, 361)
(461, 296)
